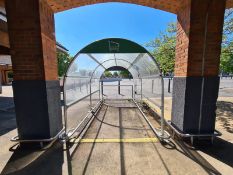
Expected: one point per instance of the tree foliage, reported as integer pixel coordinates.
(115, 74)
(228, 27)
(63, 61)
(226, 63)
(164, 48)
(125, 74)
(107, 74)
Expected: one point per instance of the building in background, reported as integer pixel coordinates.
(6, 73)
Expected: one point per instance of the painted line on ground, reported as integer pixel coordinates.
(131, 140)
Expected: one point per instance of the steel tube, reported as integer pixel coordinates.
(16, 138)
(116, 85)
(132, 92)
(90, 94)
(162, 106)
(169, 86)
(73, 103)
(160, 136)
(89, 112)
(119, 87)
(141, 88)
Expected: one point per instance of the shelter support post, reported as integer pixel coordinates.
(141, 88)
(119, 87)
(196, 81)
(169, 86)
(36, 86)
(102, 89)
(90, 95)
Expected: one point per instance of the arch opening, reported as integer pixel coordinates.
(85, 87)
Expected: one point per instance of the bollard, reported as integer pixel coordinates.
(119, 87)
(132, 92)
(102, 88)
(152, 88)
(169, 85)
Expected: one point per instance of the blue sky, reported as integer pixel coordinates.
(78, 27)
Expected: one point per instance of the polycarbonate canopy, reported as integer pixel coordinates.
(101, 55)
(83, 90)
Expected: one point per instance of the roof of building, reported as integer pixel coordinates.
(61, 47)
(6, 59)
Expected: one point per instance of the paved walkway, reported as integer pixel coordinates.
(219, 155)
(129, 157)
(107, 158)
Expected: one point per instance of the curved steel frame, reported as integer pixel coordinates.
(162, 88)
(111, 60)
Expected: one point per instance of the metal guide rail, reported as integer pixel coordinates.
(40, 141)
(79, 131)
(85, 121)
(63, 134)
(175, 131)
(192, 136)
(130, 95)
(161, 134)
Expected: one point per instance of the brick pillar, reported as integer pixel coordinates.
(36, 86)
(196, 82)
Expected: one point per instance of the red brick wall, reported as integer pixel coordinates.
(48, 41)
(200, 25)
(32, 40)
(182, 41)
(33, 49)
(166, 5)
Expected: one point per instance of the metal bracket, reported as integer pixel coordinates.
(192, 136)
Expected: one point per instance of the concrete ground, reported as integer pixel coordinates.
(120, 158)
(128, 158)
(143, 157)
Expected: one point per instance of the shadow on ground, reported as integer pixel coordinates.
(225, 115)
(27, 162)
(7, 115)
(220, 150)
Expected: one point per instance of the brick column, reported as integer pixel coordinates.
(36, 86)
(196, 82)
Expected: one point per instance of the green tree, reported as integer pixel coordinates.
(107, 74)
(228, 27)
(63, 60)
(115, 74)
(163, 48)
(226, 62)
(125, 74)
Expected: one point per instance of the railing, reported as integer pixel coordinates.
(109, 91)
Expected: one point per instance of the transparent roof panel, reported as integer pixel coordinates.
(82, 66)
(94, 59)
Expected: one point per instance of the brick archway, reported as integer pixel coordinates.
(172, 6)
(166, 5)
(33, 51)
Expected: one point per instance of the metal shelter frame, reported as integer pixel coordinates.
(112, 47)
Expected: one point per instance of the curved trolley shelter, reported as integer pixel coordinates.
(82, 81)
